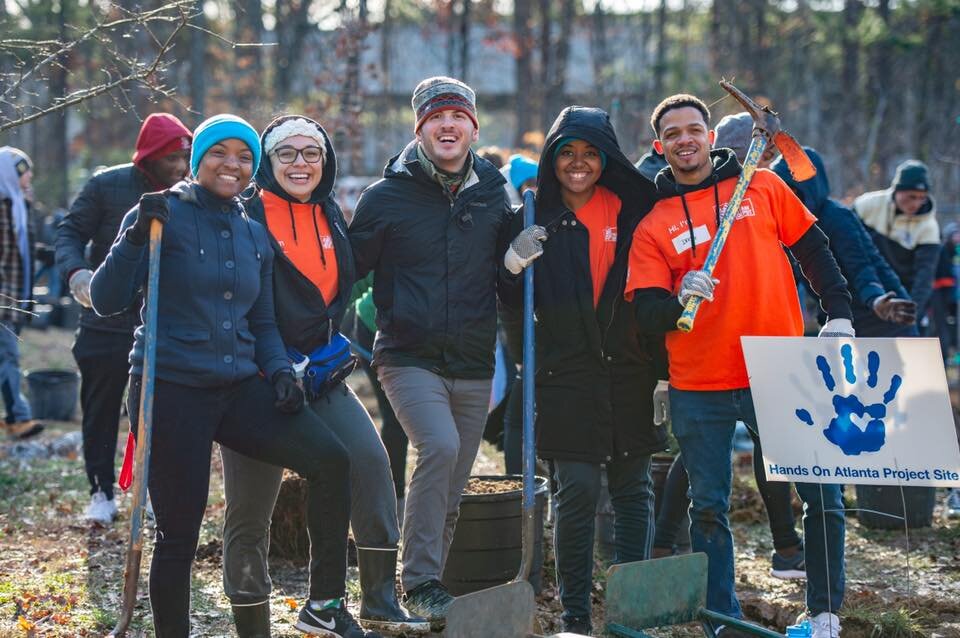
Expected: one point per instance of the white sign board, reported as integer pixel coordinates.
(856, 411)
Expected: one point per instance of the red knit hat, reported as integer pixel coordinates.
(160, 135)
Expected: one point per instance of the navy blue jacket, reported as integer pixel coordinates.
(215, 317)
(867, 273)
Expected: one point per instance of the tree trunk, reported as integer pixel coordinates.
(523, 39)
(465, 41)
(600, 55)
(248, 28)
(198, 62)
(660, 66)
(546, 63)
(558, 78)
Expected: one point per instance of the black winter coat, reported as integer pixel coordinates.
(94, 219)
(303, 317)
(437, 264)
(596, 371)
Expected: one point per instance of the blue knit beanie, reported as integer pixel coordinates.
(521, 169)
(566, 140)
(223, 127)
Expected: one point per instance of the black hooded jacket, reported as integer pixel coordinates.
(437, 265)
(595, 370)
(867, 273)
(304, 319)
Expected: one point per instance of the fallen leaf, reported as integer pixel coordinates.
(25, 624)
(291, 603)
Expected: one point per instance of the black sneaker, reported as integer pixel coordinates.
(331, 622)
(578, 625)
(430, 600)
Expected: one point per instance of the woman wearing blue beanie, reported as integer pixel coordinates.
(222, 373)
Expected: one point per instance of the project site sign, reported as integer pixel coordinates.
(858, 411)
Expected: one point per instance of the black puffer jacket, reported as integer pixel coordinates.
(436, 265)
(304, 319)
(94, 219)
(595, 370)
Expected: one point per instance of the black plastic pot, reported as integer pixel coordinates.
(887, 499)
(53, 393)
(486, 548)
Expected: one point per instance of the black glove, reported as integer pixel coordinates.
(152, 206)
(289, 395)
(891, 308)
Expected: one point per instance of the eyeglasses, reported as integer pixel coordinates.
(288, 154)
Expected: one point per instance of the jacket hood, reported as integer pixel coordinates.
(725, 165)
(268, 182)
(591, 125)
(813, 192)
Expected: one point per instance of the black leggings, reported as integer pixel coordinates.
(776, 497)
(242, 417)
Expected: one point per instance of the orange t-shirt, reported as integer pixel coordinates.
(599, 215)
(756, 294)
(312, 250)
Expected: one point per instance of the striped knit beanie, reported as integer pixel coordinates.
(440, 93)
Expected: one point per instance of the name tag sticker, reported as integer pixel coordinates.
(681, 242)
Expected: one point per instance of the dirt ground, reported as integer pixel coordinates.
(60, 576)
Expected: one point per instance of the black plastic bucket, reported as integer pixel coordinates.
(53, 394)
(886, 498)
(487, 543)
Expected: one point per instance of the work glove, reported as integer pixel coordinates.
(152, 206)
(895, 309)
(661, 402)
(696, 283)
(524, 248)
(288, 393)
(837, 328)
(80, 286)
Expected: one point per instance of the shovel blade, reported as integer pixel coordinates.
(505, 611)
(657, 593)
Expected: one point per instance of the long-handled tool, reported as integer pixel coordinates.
(507, 611)
(766, 130)
(131, 571)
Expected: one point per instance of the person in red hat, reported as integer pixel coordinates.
(161, 159)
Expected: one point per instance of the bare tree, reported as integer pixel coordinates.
(523, 42)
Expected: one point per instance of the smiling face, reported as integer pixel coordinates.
(578, 167)
(446, 137)
(685, 141)
(226, 168)
(300, 177)
(169, 169)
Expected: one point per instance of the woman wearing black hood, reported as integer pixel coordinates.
(312, 278)
(596, 372)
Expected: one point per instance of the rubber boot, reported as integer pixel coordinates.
(252, 621)
(379, 608)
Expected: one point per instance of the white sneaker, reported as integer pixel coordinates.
(823, 625)
(101, 509)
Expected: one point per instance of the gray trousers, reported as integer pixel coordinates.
(251, 489)
(444, 419)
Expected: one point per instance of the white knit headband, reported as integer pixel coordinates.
(298, 126)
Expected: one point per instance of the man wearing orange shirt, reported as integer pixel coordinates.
(751, 292)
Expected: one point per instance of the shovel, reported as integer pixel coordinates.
(131, 572)
(507, 611)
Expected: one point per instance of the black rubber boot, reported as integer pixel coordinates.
(379, 608)
(252, 621)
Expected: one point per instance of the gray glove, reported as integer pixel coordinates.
(895, 309)
(524, 248)
(837, 328)
(696, 283)
(80, 286)
(661, 402)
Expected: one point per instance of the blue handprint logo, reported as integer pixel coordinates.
(842, 431)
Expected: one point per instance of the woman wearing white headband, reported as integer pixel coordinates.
(312, 279)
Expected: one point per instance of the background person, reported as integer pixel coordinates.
(161, 159)
(16, 285)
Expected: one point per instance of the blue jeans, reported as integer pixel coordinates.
(703, 423)
(631, 495)
(18, 409)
